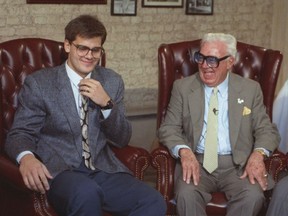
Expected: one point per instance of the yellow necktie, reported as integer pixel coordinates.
(210, 162)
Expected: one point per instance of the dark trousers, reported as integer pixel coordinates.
(82, 192)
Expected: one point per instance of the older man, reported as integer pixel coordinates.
(217, 127)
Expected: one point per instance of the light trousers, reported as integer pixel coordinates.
(244, 199)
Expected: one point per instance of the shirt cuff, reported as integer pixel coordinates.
(21, 155)
(175, 150)
(106, 113)
(266, 152)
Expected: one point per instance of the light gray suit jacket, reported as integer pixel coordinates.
(250, 126)
(47, 122)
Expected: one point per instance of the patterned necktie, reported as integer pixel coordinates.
(84, 128)
(211, 142)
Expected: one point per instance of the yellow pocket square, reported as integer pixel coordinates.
(246, 111)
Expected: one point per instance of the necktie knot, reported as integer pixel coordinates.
(84, 101)
(215, 91)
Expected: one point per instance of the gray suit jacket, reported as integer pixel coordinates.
(47, 122)
(250, 126)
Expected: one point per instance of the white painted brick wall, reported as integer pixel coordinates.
(132, 42)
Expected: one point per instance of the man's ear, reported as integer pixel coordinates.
(67, 46)
(231, 62)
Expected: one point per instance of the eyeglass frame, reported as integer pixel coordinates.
(217, 60)
(77, 46)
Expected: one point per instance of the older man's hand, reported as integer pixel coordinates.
(255, 170)
(190, 166)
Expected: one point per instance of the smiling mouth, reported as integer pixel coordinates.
(208, 72)
(87, 61)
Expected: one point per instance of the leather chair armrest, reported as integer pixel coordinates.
(135, 158)
(17, 191)
(164, 163)
(276, 164)
(10, 173)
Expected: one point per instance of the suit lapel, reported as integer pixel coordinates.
(235, 107)
(66, 102)
(196, 105)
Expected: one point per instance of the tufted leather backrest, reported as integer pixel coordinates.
(19, 58)
(257, 63)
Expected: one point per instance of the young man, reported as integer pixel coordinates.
(59, 136)
(217, 127)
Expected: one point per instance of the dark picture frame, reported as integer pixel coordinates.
(123, 7)
(66, 1)
(199, 7)
(162, 3)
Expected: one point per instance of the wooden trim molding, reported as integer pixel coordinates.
(66, 1)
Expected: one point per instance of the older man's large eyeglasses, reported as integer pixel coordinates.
(211, 61)
(82, 51)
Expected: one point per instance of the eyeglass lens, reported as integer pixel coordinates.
(211, 61)
(96, 52)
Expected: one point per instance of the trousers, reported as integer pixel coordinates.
(83, 192)
(278, 203)
(243, 197)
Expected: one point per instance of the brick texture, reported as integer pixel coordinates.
(132, 41)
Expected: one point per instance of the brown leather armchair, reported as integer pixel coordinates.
(19, 58)
(174, 62)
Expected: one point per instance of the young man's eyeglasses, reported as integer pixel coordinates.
(82, 51)
(211, 61)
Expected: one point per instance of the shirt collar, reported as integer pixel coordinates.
(73, 76)
(222, 87)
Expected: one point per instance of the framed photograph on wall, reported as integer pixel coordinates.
(162, 3)
(66, 1)
(199, 7)
(123, 7)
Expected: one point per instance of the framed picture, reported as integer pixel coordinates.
(67, 1)
(199, 7)
(123, 7)
(162, 3)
